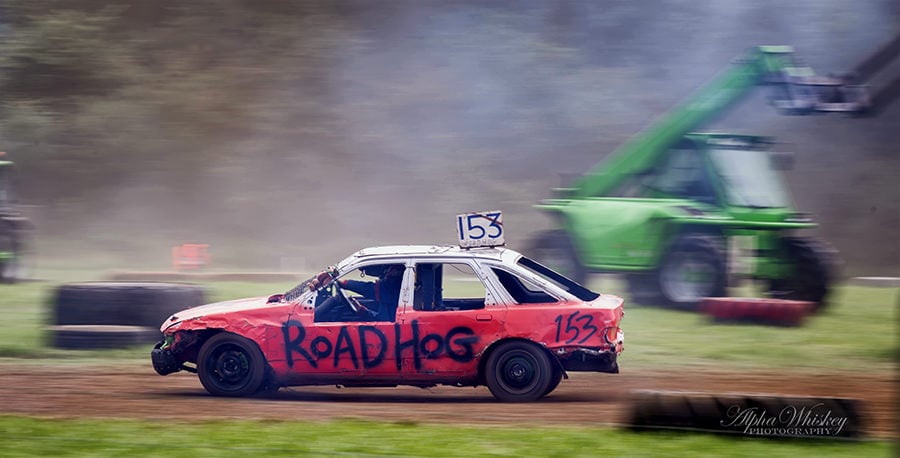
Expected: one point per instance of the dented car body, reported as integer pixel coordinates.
(403, 315)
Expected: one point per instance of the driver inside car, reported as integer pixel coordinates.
(384, 293)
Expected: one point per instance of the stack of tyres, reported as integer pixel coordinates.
(757, 310)
(95, 315)
(751, 414)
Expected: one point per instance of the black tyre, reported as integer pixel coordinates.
(9, 269)
(693, 268)
(720, 413)
(554, 380)
(813, 264)
(94, 337)
(231, 365)
(642, 289)
(123, 303)
(9, 266)
(519, 372)
(554, 249)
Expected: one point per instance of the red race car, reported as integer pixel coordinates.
(403, 315)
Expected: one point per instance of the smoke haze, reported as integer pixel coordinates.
(287, 136)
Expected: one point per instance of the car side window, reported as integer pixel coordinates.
(447, 286)
(522, 291)
(369, 293)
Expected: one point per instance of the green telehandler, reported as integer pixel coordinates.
(682, 215)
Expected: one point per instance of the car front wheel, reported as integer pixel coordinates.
(519, 372)
(231, 365)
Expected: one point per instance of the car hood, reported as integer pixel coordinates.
(238, 305)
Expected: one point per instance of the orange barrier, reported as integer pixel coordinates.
(190, 256)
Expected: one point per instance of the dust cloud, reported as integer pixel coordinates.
(288, 139)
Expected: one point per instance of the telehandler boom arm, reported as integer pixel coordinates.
(796, 90)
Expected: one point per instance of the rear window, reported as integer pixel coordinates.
(570, 286)
(521, 291)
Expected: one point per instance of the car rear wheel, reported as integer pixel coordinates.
(554, 381)
(230, 365)
(519, 372)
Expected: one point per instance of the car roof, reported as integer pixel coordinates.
(448, 251)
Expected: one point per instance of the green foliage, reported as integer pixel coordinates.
(32, 437)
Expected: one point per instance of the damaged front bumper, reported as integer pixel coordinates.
(163, 357)
(164, 362)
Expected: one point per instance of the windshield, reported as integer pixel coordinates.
(323, 278)
(318, 280)
(573, 288)
(748, 178)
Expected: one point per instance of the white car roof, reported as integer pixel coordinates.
(448, 251)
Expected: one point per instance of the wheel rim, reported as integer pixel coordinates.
(688, 278)
(229, 367)
(518, 372)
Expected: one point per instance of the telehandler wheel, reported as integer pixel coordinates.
(554, 249)
(693, 268)
(813, 264)
(642, 289)
(9, 267)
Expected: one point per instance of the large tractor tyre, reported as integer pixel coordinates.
(554, 249)
(123, 303)
(642, 289)
(519, 372)
(813, 263)
(9, 270)
(9, 265)
(231, 365)
(693, 268)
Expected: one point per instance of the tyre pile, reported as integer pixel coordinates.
(757, 310)
(99, 315)
(758, 415)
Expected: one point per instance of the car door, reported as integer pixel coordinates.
(346, 345)
(454, 314)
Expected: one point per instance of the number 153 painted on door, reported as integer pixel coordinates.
(480, 229)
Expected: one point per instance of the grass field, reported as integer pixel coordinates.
(857, 332)
(34, 437)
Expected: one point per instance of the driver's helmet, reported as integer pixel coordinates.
(393, 271)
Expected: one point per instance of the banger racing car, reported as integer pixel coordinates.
(403, 315)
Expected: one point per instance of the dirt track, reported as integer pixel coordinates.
(585, 399)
